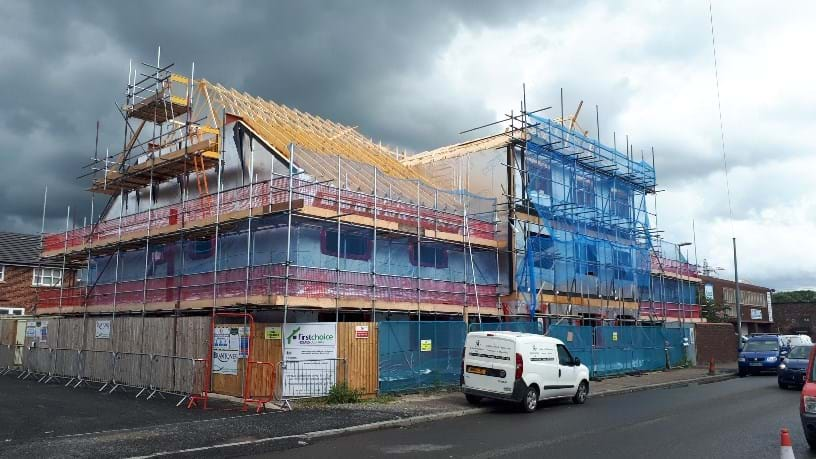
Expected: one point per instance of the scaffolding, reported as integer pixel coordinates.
(196, 222)
(585, 232)
(675, 284)
(211, 181)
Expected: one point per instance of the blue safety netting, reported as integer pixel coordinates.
(416, 355)
(612, 350)
(405, 364)
(592, 238)
(521, 326)
(578, 340)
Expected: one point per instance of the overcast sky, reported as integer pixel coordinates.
(414, 74)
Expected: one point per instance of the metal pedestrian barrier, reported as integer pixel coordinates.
(174, 375)
(309, 378)
(36, 362)
(132, 369)
(145, 373)
(261, 389)
(7, 365)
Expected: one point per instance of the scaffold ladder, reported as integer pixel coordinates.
(201, 176)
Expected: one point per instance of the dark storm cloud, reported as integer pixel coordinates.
(65, 66)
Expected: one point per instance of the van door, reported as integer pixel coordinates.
(490, 363)
(543, 367)
(566, 371)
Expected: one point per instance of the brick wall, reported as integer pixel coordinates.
(795, 318)
(16, 289)
(715, 340)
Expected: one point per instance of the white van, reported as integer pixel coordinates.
(521, 367)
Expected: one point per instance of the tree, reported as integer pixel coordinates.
(714, 312)
(795, 296)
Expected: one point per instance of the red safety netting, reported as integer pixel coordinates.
(267, 193)
(270, 280)
(673, 266)
(672, 310)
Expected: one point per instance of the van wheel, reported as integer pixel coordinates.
(473, 399)
(742, 373)
(581, 394)
(530, 401)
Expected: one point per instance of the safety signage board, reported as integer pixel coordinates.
(272, 333)
(103, 329)
(361, 331)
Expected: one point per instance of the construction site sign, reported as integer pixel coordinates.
(43, 331)
(226, 349)
(310, 359)
(103, 329)
(361, 331)
(425, 345)
(272, 333)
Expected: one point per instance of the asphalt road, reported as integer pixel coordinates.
(49, 420)
(738, 418)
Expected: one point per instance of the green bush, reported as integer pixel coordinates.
(342, 393)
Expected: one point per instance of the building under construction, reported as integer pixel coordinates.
(222, 199)
(224, 208)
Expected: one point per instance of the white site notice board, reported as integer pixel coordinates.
(230, 343)
(309, 353)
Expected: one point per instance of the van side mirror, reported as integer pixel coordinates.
(576, 361)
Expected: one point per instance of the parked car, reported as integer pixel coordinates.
(522, 368)
(761, 354)
(807, 402)
(791, 371)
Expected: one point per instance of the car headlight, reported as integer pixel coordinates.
(810, 403)
(782, 366)
(741, 359)
(770, 359)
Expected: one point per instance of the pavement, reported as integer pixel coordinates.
(737, 418)
(55, 421)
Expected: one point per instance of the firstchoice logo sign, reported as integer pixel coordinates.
(312, 338)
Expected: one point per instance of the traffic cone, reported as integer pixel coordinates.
(711, 370)
(786, 449)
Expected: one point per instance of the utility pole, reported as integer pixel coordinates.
(737, 292)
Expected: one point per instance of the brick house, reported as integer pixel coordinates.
(22, 274)
(794, 318)
(756, 309)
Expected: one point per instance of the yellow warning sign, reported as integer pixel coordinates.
(425, 345)
(272, 333)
